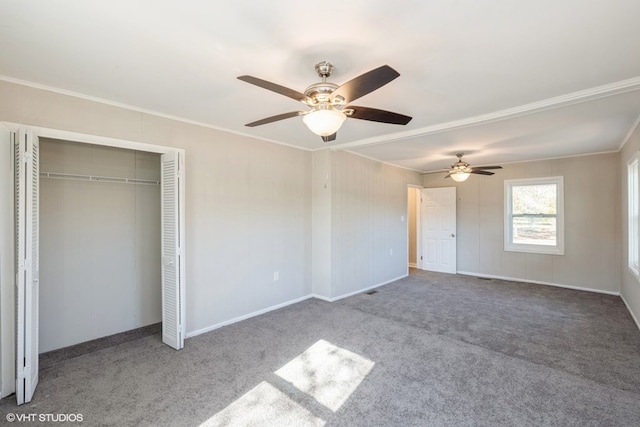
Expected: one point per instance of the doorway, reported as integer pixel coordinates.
(413, 227)
(438, 212)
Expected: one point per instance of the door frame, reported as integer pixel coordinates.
(7, 322)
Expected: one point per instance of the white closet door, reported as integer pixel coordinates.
(173, 298)
(27, 270)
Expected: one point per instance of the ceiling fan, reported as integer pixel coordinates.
(461, 170)
(327, 101)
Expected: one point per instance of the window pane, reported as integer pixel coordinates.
(534, 230)
(533, 199)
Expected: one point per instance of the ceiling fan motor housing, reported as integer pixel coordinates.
(320, 93)
(460, 165)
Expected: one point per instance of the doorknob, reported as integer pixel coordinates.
(453, 235)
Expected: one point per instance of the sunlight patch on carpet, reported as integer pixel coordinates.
(264, 405)
(328, 373)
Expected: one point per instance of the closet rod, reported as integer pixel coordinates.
(96, 178)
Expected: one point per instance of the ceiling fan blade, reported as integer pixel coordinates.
(329, 138)
(365, 83)
(481, 172)
(486, 167)
(275, 118)
(375, 115)
(293, 94)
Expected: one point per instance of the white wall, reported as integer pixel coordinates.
(630, 287)
(322, 191)
(369, 237)
(99, 243)
(592, 224)
(360, 214)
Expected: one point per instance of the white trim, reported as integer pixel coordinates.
(633, 238)
(321, 297)
(538, 282)
(246, 316)
(360, 291)
(509, 245)
(413, 265)
(541, 159)
(633, 316)
(597, 92)
(94, 139)
(7, 268)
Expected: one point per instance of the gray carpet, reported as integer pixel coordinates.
(429, 350)
(50, 359)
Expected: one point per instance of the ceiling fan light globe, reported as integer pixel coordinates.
(324, 122)
(460, 176)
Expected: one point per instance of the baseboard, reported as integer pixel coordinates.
(246, 316)
(537, 282)
(321, 297)
(413, 265)
(633, 316)
(284, 304)
(359, 291)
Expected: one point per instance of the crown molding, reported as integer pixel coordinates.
(597, 92)
(139, 110)
(573, 98)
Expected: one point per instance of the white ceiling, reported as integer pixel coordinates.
(503, 81)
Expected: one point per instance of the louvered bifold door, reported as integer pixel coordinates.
(27, 268)
(173, 314)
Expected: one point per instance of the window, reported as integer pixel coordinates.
(534, 215)
(632, 201)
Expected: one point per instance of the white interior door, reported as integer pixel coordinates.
(438, 210)
(27, 269)
(173, 296)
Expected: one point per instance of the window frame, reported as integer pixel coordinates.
(633, 218)
(509, 245)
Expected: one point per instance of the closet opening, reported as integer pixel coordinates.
(100, 256)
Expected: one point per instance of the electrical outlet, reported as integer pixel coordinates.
(276, 276)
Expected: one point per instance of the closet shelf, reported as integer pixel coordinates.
(96, 178)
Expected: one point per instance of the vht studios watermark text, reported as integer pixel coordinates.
(45, 418)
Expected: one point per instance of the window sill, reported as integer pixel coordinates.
(534, 249)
